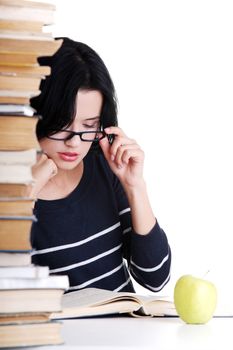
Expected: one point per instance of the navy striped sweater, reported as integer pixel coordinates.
(88, 236)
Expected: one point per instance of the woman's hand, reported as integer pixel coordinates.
(126, 160)
(42, 172)
(124, 156)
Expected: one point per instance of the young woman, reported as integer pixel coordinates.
(95, 222)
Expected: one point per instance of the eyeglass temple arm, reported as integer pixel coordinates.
(110, 137)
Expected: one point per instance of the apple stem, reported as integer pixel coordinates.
(206, 273)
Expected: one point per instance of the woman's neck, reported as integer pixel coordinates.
(62, 184)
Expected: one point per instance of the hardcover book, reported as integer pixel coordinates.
(38, 47)
(15, 258)
(16, 207)
(18, 133)
(31, 295)
(21, 71)
(31, 271)
(19, 83)
(30, 334)
(16, 109)
(15, 232)
(98, 302)
(15, 191)
(22, 10)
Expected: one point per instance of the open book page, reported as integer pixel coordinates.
(93, 301)
(158, 306)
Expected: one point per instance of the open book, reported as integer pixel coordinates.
(98, 302)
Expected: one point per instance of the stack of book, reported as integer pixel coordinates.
(28, 297)
(27, 293)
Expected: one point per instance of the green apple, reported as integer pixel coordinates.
(195, 299)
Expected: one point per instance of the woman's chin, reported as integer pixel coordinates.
(66, 165)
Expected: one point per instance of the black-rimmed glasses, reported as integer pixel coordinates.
(87, 136)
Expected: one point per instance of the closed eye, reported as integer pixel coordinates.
(94, 126)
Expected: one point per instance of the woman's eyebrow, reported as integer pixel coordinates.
(93, 118)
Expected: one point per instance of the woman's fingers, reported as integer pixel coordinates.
(123, 148)
(114, 130)
(119, 139)
(128, 152)
(118, 143)
(42, 172)
(45, 166)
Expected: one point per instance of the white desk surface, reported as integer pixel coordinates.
(144, 333)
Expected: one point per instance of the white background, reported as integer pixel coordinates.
(172, 66)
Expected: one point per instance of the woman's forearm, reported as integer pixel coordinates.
(143, 219)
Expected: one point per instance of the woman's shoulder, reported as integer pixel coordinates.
(98, 159)
(100, 166)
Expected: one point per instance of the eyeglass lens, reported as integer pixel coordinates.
(85, 135)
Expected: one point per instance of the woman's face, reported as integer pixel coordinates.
(68, 154)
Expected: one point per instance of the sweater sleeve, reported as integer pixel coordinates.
(148, 256)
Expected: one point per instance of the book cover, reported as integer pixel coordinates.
(20, 318)
(19, 26)
(15, 100)
(30, 295)
(16, 109)
(31, 271)
(19, 83)
(21, 71)
(18, 59)
(28, 4)
(16, 207)
(15, 232)
(30, 334)
(22, 10)
(15, 301)
(15, 167)
(25, 35)
(15, 173)
(27, 157)
(19, 93)
(50, 282)
(38, 47)
(18, 133)
(15, 258)
(15, 191)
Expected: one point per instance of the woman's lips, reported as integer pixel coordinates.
(68, 156)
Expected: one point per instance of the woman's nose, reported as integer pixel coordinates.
(74, 141)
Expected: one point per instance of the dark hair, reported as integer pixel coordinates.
(74, 66)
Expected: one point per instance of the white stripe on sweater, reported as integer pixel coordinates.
(122, 285)
(107, 274)
(85, 262)
(127, 230)
(76, 244)
(124, 211)
(150, 269)
(154, 289)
